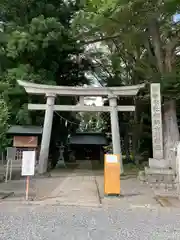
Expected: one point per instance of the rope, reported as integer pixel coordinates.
(66, 120)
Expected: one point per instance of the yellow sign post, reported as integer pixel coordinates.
(112, 174)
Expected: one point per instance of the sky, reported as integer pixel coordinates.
(176, 18)
(98, 101)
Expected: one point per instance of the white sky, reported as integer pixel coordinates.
(98, 101)
(176, 18)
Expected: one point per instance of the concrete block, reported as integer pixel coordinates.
(151, 179)
(169, 179)
(163, 171)
(160, 176)
(156, 163)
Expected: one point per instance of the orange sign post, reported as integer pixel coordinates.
(112, 175)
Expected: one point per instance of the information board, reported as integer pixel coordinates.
(25, 141)
(28, 163)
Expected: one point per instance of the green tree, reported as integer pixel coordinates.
(38, 46)
(4, 116)
(91, 122)
(145, 39)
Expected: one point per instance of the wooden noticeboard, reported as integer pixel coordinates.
(25, 141)
(112, 174)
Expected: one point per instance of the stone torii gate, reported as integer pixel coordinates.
(52, 91)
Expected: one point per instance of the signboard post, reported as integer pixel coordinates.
(28, 167)
(112, 175)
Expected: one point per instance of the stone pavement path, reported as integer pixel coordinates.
(79, 188)
(39, 188)
(66, 186)
(133, 192)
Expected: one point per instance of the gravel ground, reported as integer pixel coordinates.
(82, 223)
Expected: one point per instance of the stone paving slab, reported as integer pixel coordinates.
(168, 201)
(39, 188)
(81, 187)
(133, 192)
(77, 189)
(67, 187)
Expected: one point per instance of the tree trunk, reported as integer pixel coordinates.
(127, 146)
(170, 132)
(154, 30)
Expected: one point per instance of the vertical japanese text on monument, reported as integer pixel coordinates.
(156, 121)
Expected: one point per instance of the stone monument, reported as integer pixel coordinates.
(158, 166)
(157, 137)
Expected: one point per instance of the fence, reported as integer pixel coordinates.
(14, 160)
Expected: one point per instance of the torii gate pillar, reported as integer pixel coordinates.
(115, 131)
(46, 136)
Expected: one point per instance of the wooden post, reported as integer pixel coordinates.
(27, 188)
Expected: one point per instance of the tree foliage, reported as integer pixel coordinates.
(142, 38)
(91, 122)
(4, 117)
(141, 35)
(37, 45)
(119, 42)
